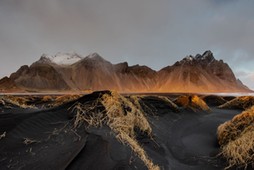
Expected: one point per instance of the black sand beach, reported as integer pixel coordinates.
(45, 137)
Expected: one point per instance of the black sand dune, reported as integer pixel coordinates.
(213, 100)
(47, 139)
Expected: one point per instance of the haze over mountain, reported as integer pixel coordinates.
(72, 72)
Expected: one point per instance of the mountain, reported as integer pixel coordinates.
(95, 73)
(201, 73)
(7, 84)
(72, 72)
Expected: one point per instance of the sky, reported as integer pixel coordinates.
(156, 33)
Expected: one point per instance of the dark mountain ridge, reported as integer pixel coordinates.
(202, 73)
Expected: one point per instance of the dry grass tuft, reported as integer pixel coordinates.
(122, 115)
(3, 135)
(28, 141)
(17, 101)
(2, 102)
(87, 113)
(240, 151)
(183, 101)
(63, 99)
(67, 98)
(243, 102)
(231, 130)
(47, 99)
(136, 101)
(192, 102)
(172, 105)
(236, 138)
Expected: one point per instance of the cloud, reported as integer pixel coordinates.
(247, 78)
(154, 33)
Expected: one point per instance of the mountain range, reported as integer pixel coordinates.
(70, 72)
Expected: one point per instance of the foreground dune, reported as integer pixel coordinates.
(105, 130)
(236, 138)
(242, 102)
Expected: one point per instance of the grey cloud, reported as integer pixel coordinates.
(154, 33)
(247, 78)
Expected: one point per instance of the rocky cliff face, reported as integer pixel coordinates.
(39, 76)
(95, 73)
(202, 73)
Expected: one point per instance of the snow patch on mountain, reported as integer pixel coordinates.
(207, 58)
(189, 58)
(63, 58)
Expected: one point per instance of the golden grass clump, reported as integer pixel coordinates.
(183, 101)
(198, 103)
(122, 115)
(192, 102)
(231, 130)
(136, 101)
(2, 102)
(243, 102)
(236, 138)
(62, 99)
(66, 98)
(87, 113)
(240, 152)
(18, 101)
(47, 98)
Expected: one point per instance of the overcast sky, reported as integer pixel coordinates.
(156, 33)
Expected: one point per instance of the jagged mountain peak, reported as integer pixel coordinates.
(95, 56)
(60, 58)
(206, 58)
(121, 67)
(44, 59)
(94, 60)
(208, 55)
(189, 58)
